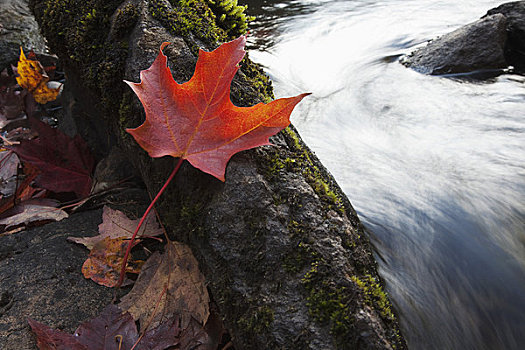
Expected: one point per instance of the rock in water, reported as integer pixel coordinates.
(476, 46)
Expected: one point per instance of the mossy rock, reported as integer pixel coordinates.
(279, 213)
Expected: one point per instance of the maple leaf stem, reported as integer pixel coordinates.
(130, 244)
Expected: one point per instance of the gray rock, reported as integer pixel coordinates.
(286, 259)
(17, 28)
(41, 278)
(476, 46)
(514, 12)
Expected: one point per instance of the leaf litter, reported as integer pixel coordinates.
(116, 224)
(186, 295)
(65, 163)
(114, 329)
(206, 129)
(33, 211)
(108, 247)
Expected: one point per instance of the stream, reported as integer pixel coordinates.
(434, 166)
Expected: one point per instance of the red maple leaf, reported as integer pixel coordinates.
(65, 163)
(197, 120)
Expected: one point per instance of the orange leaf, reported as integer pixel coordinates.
(197, 120)
(32, 77)
(105, 260)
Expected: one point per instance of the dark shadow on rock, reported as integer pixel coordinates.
(515, 48)
(41, 278)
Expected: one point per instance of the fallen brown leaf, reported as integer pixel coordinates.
(116, 224)
(32, 211)
(186, 294)
(9, 163)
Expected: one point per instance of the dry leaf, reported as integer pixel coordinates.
(23, 193)
(31, 212)
(48, 338)
(32, 77)
(110, 330)
(116, 224)
(163, 337)
(65, 163)
(105, 259)
(9, 164)
(186, 294)
(198, 337)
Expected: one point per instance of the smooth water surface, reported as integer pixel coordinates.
(434, 166)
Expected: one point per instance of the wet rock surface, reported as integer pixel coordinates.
(494, 42)
(41, 278)
(17, 28)
(476, 46)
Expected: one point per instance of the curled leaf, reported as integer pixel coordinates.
(33, 211)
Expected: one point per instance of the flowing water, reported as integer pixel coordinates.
(434, 166)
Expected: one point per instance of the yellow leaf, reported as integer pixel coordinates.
(32, 77)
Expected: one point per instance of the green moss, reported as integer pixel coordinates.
(333, 303)
(329, 303)
(185, 214)
(188, 16)
(77, 32)
(298, 258)
(260, 85)
(202, 19)
(230, 16)
(303, 163)
(257, 320)
(275, 166)
(126, 17)
(125, 112)
(374, 295)
(188, 213)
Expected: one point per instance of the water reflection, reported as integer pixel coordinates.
(434, 166)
